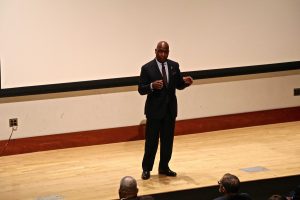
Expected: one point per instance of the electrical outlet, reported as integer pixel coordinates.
(297, 92)
(13, 122)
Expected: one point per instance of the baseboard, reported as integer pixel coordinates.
(131, 133)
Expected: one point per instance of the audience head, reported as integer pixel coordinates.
(276, 197)
(128, 188)
(295, 194)
(229, 184)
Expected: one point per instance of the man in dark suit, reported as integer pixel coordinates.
(159, 79)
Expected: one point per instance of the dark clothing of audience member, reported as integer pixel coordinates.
(229, 186)
(139, 198)
(241, 196)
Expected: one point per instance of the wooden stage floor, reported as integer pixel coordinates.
(94, 172)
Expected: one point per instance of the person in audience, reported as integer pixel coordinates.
(229, 186)
(295, 194)
(129, 191)
(276, 197)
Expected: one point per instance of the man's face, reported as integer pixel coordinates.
(221, 187)
(162, 52)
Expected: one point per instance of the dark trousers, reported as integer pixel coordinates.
(156, 129)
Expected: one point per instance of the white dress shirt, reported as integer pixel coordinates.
(166, 68)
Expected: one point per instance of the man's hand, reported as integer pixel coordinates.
(188, 80)
(157, 85)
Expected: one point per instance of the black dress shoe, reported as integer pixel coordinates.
(167, 172)
(145, 175)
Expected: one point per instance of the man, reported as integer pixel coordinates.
(295, 194)
(159, 79)
(128, 190)
(229, 186)
(277, 197)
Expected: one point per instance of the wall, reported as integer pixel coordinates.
(58, 41)
(209, 34)
(98, 109)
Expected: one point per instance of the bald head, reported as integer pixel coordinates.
(162, 44)
(128, 187)
(162, 51)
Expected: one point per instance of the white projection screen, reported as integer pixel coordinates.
(59, 41)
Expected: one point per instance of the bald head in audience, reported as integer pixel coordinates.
(128, 188)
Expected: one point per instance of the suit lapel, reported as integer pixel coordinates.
(170, 69)
(157, 71)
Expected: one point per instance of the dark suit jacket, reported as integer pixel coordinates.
(141, 198)
(240, 196)
(160, 101)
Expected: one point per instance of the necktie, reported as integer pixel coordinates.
(164, 75)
